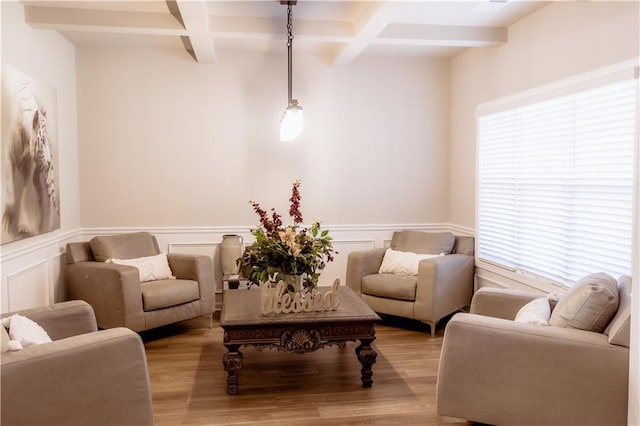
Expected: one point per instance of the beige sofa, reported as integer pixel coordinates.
(82, 377)
(443, 284)
(118, 297)
(497, 371)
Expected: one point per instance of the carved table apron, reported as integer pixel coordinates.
(245, 325)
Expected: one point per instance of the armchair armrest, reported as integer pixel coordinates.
(63, 319)
(500, 303)
(363, 263)
(99, 378)
(197, 268)
(531, 372)
(445, 284)
(112, 290)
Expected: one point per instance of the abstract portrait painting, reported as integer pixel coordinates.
(30, 183)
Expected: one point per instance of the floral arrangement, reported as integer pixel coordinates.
(281, 251)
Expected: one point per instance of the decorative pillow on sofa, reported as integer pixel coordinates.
(588, 305)
(24, 332)
(402, 262)
(150, 268)
(536, 312)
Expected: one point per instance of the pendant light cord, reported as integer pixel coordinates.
(289, 49)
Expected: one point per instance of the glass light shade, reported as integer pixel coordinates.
(291, 125)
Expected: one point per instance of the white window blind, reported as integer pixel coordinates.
(555, 184)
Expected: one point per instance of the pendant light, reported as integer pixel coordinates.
(291, 124)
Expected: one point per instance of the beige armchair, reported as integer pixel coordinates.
(82, 377)
(497, 371)
(118, 297)
(443, 285)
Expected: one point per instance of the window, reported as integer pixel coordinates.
(555, 184)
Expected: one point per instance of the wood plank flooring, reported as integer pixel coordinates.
(188, 380)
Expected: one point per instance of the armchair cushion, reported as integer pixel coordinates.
(124, 246)
(423, 242)
(588, 305)
(150, 268)
(391, 286)
(165, 293)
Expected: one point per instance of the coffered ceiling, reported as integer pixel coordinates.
(339, 30)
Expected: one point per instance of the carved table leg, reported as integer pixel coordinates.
(367, 357)
(232, 361)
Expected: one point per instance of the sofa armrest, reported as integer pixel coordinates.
(197, 268)
(112, 290)
(500, 303)
(445, 284)
(191, 267)
(62, 320)
(99, 378)
(497, 371)
(363, 263)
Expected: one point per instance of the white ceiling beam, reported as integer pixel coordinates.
(195, 17)
(370, 24)
(440, 35)
(62, 19)
(264, 28)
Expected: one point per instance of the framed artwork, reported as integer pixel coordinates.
(30, 183)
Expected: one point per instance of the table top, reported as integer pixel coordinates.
(242, 307)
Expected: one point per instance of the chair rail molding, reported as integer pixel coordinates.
(32, 289)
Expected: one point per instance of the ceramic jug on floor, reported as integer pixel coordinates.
(231, 249)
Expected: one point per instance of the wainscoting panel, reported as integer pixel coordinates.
(29, 287)
(56, 272)
(33, 274)
(338, 268)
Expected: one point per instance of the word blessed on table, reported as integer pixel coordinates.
(276, 300)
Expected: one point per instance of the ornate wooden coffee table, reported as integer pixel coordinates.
(245, 325)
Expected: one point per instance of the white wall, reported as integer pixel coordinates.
(31, 267)
(169, 142)
(559, 41)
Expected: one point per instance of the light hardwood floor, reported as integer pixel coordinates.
(188, 380)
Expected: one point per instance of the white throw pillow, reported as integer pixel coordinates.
(536, 312)
(25, 331)
(402, 262)
(150, 268)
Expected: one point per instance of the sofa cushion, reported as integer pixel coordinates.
(166, 293)
(402, 262)
(390, 286)
(423, 242)
(536, 312)
(124, 246)
(619, 327)
(588, 305)
(150, 268)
